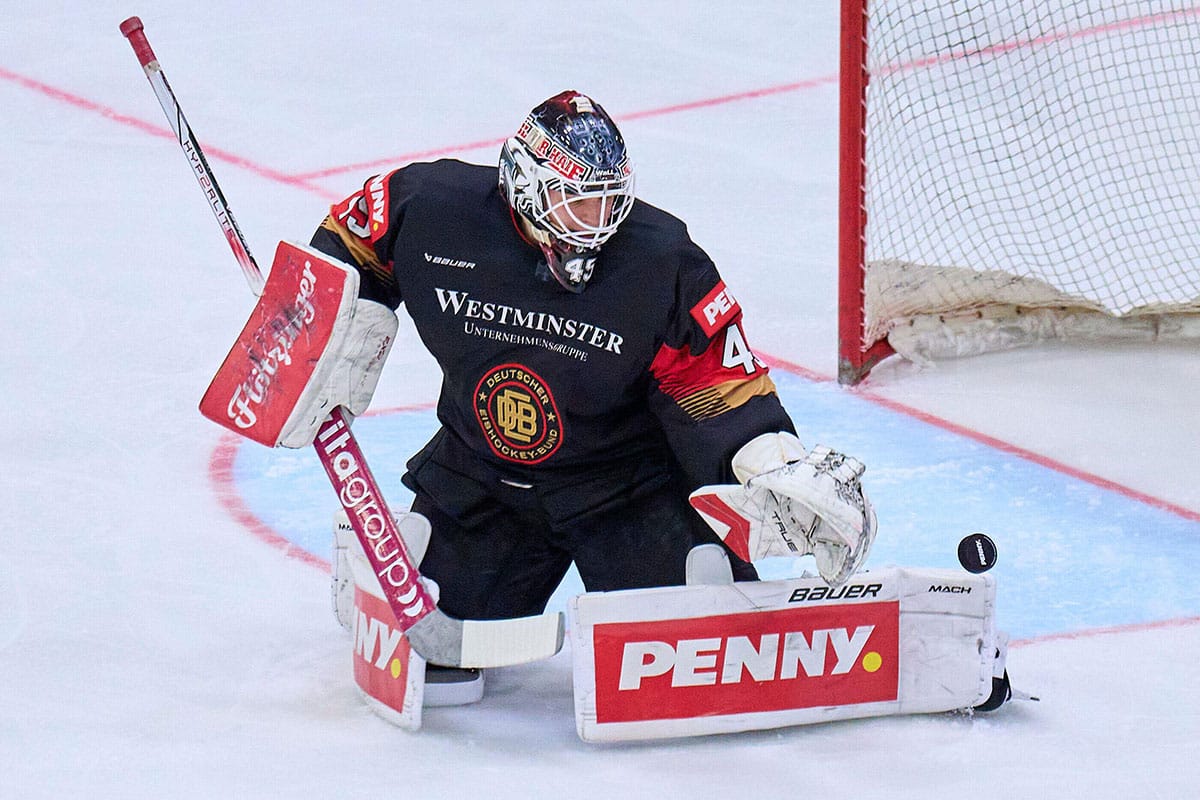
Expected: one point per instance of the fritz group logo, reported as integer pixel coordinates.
(271, 350)
(780, 660)
(517, 413)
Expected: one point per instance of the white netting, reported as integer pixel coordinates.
(1031, 154)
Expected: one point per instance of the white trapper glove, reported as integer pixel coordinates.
(793, 503)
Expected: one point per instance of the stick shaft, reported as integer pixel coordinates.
(339, 452)
(468, 643)
(372, 521)
(136, 34)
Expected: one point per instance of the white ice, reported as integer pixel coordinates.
(151, 647)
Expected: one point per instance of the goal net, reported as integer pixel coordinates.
(1017, 170)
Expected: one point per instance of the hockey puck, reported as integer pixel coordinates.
(977, 553)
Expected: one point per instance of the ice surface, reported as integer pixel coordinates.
(151, 646)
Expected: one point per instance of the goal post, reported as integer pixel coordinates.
(1014, 171)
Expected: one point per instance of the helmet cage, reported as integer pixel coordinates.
(582, 214)
(579, 205)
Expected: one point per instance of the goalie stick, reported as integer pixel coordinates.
(437, 637)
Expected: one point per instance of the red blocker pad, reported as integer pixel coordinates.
(696, 660)
(278, 355)
(389, 675)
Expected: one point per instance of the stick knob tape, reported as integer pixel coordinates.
(134, 32)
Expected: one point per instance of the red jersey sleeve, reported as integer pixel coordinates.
(360, 230)
(710, 391)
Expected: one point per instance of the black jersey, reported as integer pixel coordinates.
(586, 396)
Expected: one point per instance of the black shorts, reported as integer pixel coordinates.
(510, 558)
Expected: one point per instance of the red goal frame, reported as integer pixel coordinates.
(854, 360)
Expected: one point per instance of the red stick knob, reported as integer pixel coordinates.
(132, 29)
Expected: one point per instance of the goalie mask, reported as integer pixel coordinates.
(567, 177)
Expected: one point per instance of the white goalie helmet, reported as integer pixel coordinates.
(567, 175)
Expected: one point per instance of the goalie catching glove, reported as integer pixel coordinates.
(793, 503)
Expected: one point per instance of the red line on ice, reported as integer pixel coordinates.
(755, 94)
(302, 181)
(1181, 622)
(220, 474)
(709, 102)
(990, 441)
(161, 132)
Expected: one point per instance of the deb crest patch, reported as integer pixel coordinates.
(517, 414)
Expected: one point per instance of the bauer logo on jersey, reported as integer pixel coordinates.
(753, 662)
(518, 415)
(716, 310)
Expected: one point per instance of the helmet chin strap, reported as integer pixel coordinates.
(570, 268)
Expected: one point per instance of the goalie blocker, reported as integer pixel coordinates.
(696, 660)
(310, 346)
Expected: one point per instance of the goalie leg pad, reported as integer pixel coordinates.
(393, 680)
(414, 530)
(389, 674)
(696, 660)
(708, 564)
